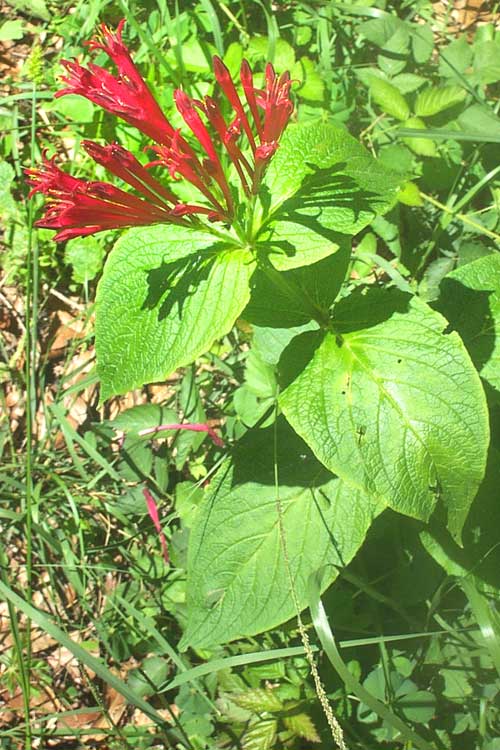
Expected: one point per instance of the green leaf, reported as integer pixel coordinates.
(322, 178)
(422, 42)
(302, 726)
(146, 680)
(392, 59)
(456, 683)
(8, 206)
(366, 75)
(271, 341)
(420, 146)
(284, 55)
(455, 59)
(297, 242)
(166, 294)
(32, 8)
(391, 405)
(142, 417)
(408, 82)
(410, 195)
(480, 555)
(258, 700)
(293, 298)
(259, 376)
(237, 579)
(311, 85)
(486, 61)
(13, 29)
(480, 120)
(86, 255)
(380, 30)
(73, 107)
(389, 99)
(438, 98)
(470, 300)
(261, 736)
(419, 706)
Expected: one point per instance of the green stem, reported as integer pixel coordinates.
(30, 369)
(462, 217)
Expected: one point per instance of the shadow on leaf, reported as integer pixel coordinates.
(173, 283)
(469, 314)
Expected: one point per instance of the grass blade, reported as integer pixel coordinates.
(96, 665)
(325, 635)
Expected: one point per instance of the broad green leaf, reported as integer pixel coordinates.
(196, 57)
(33, 8)
(389, 99)
(366, 75)
(146, 680)
(419, 706)
(166, 294)
(238, 584)
(8, 206)
(410, 195)
(486, 61)
(456, 683)
(391, 404)
(420, 146)
(323, 179)
(293, 298)
(436, 99)
(258, 51)
(259, 376)
(233, 57)
(470, 300)
(271, 341)
(311, 85)
(455, 59)
(480, 556)
(480, 120)
(73, 107)
(422, 42)
(258, 393)
(392, 59)
(297, 242)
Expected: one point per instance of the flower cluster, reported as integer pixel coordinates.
(77, 207)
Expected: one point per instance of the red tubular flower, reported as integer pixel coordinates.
(226, 83)
(127, 96)
(123, 164)
(276, 103)
(80, 207)
(246, 78)
(77, 207)
(155, 517)
(186, 107)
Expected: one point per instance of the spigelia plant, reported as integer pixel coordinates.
(248, 212)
